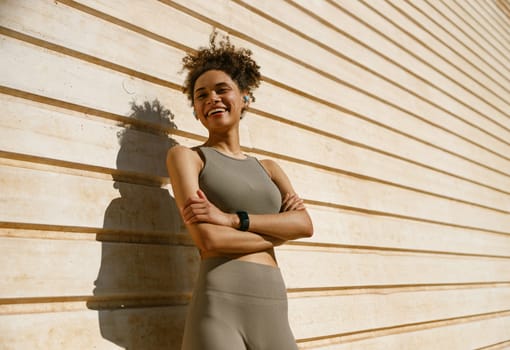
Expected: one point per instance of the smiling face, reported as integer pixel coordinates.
(217, 100)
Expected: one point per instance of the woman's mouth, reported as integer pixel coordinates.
(216, 112)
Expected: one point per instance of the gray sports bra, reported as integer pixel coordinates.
(237, 184)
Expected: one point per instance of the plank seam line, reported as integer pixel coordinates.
(402, 328)
(374, 72)
(95, 298)
(497, 346)
(183, 298)
(389, 249)
(38, 305)
(392, 288)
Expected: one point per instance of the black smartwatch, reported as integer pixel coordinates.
(244, 220)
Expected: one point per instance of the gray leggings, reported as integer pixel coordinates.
(238, 305)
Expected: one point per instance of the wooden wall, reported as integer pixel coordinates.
(391, 118)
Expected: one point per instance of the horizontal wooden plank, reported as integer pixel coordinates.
(40, 268)
(72, 137)
(69, 18)
(455, 336)
(139, 328)
(56, 268)
(332, 315)
(350, 228)
(344, 267)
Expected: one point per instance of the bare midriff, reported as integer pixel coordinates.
(265, 257)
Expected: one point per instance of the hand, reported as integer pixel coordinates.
(199, 209)
(292, 202)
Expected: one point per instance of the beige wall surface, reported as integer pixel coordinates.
(391, 117)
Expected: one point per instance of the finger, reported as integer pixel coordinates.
(189, 212)
(201, 194)
(192, 201)
(195, 209)
(290, 202)
(296, 204)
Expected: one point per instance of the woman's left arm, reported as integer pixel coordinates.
(293, 220)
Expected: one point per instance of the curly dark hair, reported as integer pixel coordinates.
(224, 56)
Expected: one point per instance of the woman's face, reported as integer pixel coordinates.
(217, 100)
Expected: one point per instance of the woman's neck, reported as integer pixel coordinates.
(228, 145)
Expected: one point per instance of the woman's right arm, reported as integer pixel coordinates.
(184, 166)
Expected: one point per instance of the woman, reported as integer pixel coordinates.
(236, 208)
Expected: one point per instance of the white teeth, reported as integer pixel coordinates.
(215, 110)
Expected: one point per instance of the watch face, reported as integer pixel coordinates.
(244, 220)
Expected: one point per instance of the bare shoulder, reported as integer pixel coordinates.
(272, 167)
(182, 153)
(274, 170)
(269, 162)
(278, 176)
(182, 157)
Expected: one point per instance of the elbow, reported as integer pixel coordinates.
(309, 231)
(203, 238)
(307, 228)
(207, 242)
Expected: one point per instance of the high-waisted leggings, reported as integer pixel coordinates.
(238, 305)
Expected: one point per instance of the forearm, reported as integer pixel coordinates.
(287, 225)
(228, 240)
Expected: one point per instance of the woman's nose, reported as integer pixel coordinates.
(213, 98)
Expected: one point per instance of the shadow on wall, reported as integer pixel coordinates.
(144, 275)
